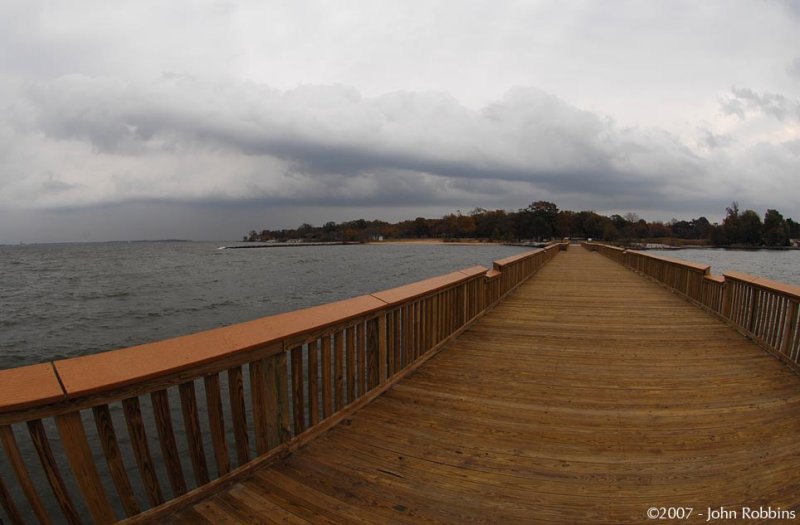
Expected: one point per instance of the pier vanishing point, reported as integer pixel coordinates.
(580, 385)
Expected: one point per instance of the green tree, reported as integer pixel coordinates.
(776, 230)
(750, 228)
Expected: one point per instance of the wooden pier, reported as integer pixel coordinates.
(589, 393)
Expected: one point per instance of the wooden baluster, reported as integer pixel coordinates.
(428, 330)
(727, 298)
(383, 351)
(361, 359)
(141, 451)
(298, 387)
(166, 437)
(372, 353)
(79, 455)
(437, 318)
(42, 444)
(216, 423)
(327, 377)
(119, 475)
(18, 464)
(398, 341)
(388, 341)
(238, 414)
(790, 327)
(408, 334)
(338, 344)
(260, 400)
(277, 400)
(313, 383)
(754, 310)
(9, 506)
(770, 319)
(418, 326)
(351, 364)
(194, 436)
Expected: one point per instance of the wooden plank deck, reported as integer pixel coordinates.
(587, 396)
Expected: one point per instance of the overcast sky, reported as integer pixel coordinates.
(203, 120)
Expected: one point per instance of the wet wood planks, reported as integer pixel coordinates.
(587, 396)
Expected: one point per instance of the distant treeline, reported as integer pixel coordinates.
(543, 220)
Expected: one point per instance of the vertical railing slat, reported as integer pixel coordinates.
(327, 377)
(194, 436)
(277, 400)
(141, 451)
(388, 341)
(9, 506)
(216, 423)
(351, 364)
(79, 455)
(789, 327)
(260, 400)
(382, 367)
(166, 437)
(338, 360)
(371, 351)
(42, 445)
(238, 414)
(361, 359)
(298, 395)
(119, 475)
(23, 477)
(398, 341)
(313, 383)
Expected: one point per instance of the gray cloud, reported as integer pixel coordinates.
(712, 141)
(743, 100)
(318, 143)
(389, 107)
(793, 69)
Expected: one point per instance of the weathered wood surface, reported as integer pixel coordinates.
(587, 396)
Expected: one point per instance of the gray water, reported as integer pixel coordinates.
(778, 265)
(66, 300)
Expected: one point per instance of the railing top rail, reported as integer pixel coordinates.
(703, 268)
(767, 284)
(514, 258)
(607, 246)
(411, 291)
(29, 385)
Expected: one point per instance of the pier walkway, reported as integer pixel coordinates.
(588, 395)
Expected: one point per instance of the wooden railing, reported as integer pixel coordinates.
(150, 427)
(764, 310)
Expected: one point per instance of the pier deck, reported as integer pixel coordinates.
(588, 395)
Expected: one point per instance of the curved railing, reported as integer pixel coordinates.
(764, 310)
(150, 427)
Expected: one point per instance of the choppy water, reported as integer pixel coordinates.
(778, 265)
(67, 300)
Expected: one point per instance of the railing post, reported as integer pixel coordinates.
(727, 291)
(76, 446)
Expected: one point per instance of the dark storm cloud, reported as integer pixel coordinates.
(338, 147)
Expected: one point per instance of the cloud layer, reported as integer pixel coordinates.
(208, 111)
